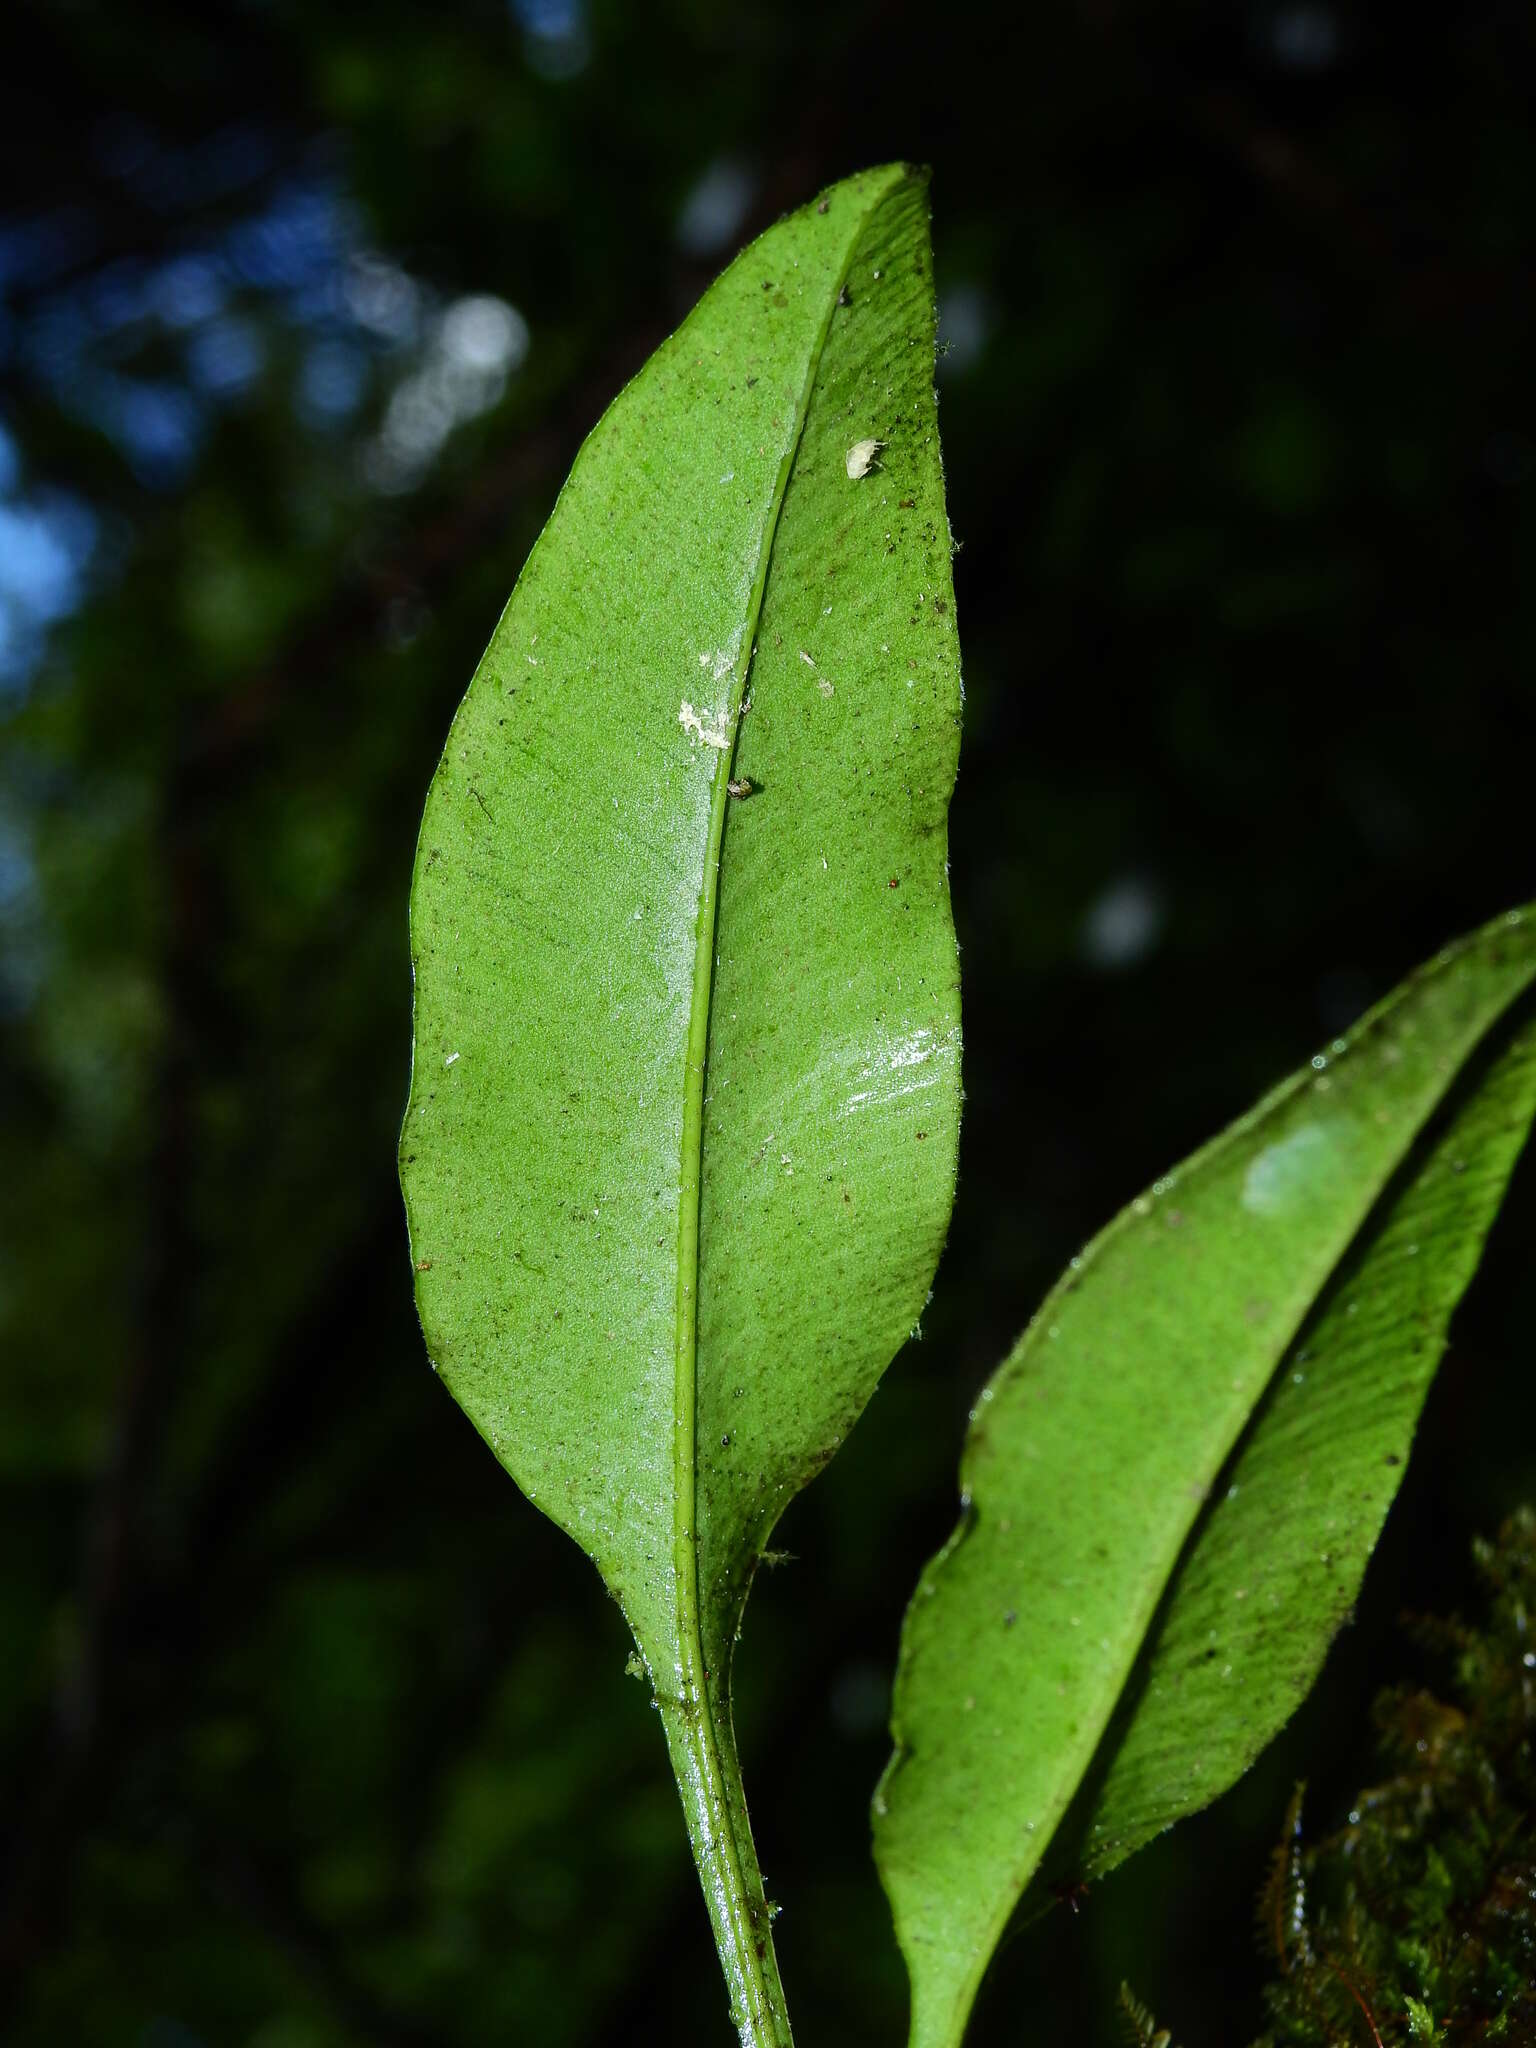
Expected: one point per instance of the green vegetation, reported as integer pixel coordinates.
(313, 1732)
(680, 1147)
(1172, 1487)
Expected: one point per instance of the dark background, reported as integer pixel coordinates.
(313, 1732)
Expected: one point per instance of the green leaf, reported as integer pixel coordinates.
(1171, 1488)
(680, 1149)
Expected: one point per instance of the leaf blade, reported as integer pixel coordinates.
(613, 974)
(1095, 1444)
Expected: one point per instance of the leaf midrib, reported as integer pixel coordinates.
(693, 1686)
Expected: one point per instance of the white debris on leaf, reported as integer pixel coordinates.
(720, 661)
(706, 729)
(861, 458)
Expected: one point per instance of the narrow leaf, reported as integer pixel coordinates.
(680, 1148)
(1098, 1650)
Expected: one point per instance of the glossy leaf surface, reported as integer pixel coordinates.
(680, 1148)
(1172, 1486)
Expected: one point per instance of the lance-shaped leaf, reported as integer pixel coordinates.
(1171, 1488)
(680, 1148)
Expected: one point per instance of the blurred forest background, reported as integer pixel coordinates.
(314, 1733)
